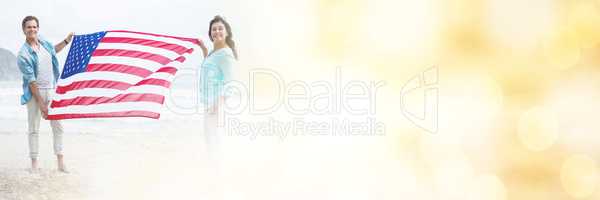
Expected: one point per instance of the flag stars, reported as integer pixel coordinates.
(80, 53)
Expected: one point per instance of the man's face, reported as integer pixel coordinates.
(31, 29)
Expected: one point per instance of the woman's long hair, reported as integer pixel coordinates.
(229, 38)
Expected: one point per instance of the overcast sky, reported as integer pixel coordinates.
(263, 29)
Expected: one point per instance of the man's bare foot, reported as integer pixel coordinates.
(61, 164)
(63, 169)
(34, 164)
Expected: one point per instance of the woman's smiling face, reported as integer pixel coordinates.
(218, 32)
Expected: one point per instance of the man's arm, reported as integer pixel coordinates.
(28, 74)
(62, 44)
(36, 96)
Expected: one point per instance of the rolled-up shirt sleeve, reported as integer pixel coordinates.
(26, 69)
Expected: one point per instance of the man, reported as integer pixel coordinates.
(38, 63)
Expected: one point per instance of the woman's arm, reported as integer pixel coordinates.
(62, 44)
(226, 64)
(203, 47)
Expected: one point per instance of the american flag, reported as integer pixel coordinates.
(118, 74)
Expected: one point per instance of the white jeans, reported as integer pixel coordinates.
(212, 131)
(33, 119)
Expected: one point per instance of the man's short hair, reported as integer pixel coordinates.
(29, 18)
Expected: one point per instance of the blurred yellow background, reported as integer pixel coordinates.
(519, 95)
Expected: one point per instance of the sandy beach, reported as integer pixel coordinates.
(106, 158)
(136, 158)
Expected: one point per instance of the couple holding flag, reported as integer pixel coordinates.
(116, 74)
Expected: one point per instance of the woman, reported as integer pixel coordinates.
(215, 72)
